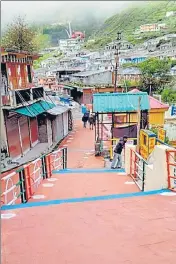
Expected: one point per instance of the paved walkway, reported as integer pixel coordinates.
(89, 182)
(95, 216)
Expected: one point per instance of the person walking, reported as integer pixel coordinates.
(117, 159)
(85, 119)
(91, 121)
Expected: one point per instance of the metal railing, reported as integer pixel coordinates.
(137, 169)
(171, 169)
(57, 160)
(13, 188)
(19, 186)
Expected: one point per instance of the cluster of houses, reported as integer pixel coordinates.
(32, 121)
(83, 72)
(36, 104)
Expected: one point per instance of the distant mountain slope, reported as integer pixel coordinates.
(129, 20)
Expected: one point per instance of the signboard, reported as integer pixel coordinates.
(152, 142)
(162, 134)
(173, 110)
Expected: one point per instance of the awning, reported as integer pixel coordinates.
(34, 109)
(58, 110)
(68, 87)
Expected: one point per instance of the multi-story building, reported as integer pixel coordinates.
(152, 27)
(128, 74)
(25, 117)
(98, 77)
(70, 46)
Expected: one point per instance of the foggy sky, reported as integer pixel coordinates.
(57, 11)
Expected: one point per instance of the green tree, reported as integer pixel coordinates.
(19, 36)
(154, 74)
(168, 95)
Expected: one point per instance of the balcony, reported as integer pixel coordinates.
(21, 97)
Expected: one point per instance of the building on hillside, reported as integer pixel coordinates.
(128, 74)
(78, 34)
(133, 58)
(152, 27)
(25, 120)
(89, 91)
(101, 77)
(170, 13)
(70, 46)
(124, 45)
(173, 71)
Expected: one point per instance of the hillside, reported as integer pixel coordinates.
(129, 20)
(87, 23)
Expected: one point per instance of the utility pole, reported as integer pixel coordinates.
(139, 122)
(150, 88)
(116, 54)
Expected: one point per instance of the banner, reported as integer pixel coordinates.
(162, 134)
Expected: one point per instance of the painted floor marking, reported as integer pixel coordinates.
(52, 179)
(82, 199)
(7, 215)
(38, 196)
(48, 185)
(129, 182)
(104, 170)
(169, 194)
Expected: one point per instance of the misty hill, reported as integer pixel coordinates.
(129, 20)
(86, 24)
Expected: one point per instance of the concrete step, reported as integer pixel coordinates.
(84, 170)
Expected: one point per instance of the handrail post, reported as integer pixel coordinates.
(44, 169)
(22, 185)
(66, 158)
(143, 175)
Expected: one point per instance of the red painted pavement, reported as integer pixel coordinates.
(126, 231)
(79, 147)
(123, 231)
(85, 184)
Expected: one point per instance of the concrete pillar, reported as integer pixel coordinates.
(156, 176)
(128, 157)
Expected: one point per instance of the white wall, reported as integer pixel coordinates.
(100, 78)
(170, 131)
(156, 176)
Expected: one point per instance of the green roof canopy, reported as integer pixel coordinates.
(34, 109)
(120, 102)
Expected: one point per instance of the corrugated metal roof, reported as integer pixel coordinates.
(58, 110)
(119, 102)
(89, 73)
(154, 103)
(34, 109)
(129, 71)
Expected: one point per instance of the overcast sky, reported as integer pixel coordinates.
(54, 11)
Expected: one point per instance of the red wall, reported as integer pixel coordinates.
(15, 77)
(24, 130)
(13, 137)
(34, 130)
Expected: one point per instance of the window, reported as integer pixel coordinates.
(4, 81)
(29, 73)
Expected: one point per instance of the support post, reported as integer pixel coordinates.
(139, 121)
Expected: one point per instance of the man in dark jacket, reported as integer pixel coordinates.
(91, 121)
(117, 159)
(85, 119)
